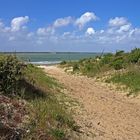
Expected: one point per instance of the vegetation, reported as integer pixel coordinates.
(29, 104)
(47, 118)
(110, 63)
(130, 78)
(10, 74)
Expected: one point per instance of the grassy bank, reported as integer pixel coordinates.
(131, 80)
(44, 117)
(123, 67)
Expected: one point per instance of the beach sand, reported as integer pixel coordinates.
(104, 114)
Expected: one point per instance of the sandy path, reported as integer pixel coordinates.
(105, 114)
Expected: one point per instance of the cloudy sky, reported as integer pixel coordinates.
(69, 25)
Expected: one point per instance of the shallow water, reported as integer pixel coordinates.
(53, 58)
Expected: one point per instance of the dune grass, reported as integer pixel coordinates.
(48, 118)
(131, 79)
(110, 63)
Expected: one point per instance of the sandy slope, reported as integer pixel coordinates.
(105, 115)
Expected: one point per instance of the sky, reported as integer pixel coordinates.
(69, 25)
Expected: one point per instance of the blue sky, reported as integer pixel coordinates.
(69, 25)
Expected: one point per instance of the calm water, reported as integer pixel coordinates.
(53, 58)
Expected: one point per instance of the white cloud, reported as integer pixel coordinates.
(119, 34)
(90, 31)
(124, 28)
(41, 31)
(134, 32)
(62, 22)
(18, 22)
(85, 18)
(102, 31)
(46, 31)
(50, 30)
(66, 33)
(118, 21)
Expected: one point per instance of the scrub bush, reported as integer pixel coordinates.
(11, 72)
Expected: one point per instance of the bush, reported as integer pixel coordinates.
(130, 79)
(118, 63)
(10, 74)
(134, 56)
(119, 53)
(75, 67)
(63, 62)
(107, 58)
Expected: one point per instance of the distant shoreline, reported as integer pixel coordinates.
(50, 52)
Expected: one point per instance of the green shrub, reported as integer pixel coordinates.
(107, 62)
(11, 71)
(106, 58)
(131, 79)
(63, 62)
(118, 63)
(119, 53)
(88, 67)
(75, 67)
(134, 56)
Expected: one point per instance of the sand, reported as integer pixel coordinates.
(104, 114)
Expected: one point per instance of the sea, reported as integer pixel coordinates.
(50, 58)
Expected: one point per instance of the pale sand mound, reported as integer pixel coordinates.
(105, 114)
